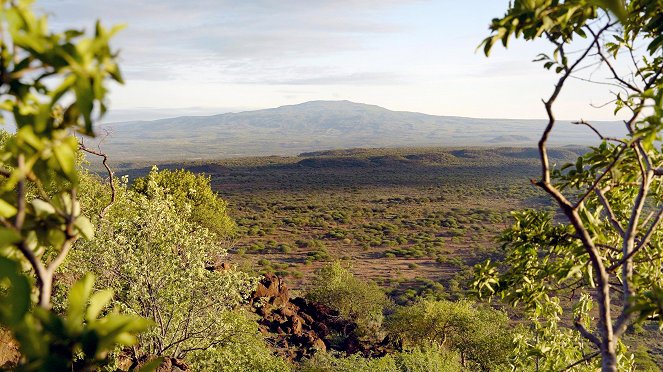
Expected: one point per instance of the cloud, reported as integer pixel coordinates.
(357, 79)
(171, 40)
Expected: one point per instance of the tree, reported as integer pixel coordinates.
(610, 247)
(51, 84)
(246, 350)
(358, 300)
(193, 191)
(149, 250)
(480, 335)
(432, 358)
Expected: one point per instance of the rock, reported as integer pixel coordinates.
(216, 266)
(10, 353)
(288, 312)
(300, 302)
(297, 325)
(264, 310)
(307, 318)
(319, 345)
(321, 329)
(179, 365)
(273, 287)
(298, 328)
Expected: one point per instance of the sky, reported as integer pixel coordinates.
(203, 57)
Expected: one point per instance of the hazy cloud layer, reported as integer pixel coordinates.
(236, 41)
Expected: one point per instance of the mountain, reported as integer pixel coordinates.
(323, 125)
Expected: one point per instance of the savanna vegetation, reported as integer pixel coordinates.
(393, 252)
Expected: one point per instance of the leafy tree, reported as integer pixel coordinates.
(361, 301)
(193, 191)
(431, 358)
(610, 246)
(149, 250)
(479, 335)
(244, 350)
(51, 84)
(545, 344)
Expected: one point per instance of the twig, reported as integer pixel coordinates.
(587, 358)
(611, 214)
(111, 179)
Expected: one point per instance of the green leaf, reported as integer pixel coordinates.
(78, 298)
(42, 208)
(84, 227)
(7, 210)
(14, 300)
(66, 159)
(97, 302)
(616, 7)
(8, 237)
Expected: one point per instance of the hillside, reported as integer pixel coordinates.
(321, 125)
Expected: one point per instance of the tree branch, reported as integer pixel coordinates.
(587, 358)
(608, 209)
(111, 179)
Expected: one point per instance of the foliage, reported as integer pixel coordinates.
(53, 84)
(609, 250)
(149, 250)
(78, 340)
(244, 350)
(544, 344)
(480, 335)
(361, 301)
(432, 358)
(193, 191)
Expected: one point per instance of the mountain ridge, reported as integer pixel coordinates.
(322, 125)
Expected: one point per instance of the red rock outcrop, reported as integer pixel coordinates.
(298, 328)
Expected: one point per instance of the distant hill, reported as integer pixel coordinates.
(322, 125)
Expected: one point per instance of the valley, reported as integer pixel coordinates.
(413, 219)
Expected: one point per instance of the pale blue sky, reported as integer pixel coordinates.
(211, 56)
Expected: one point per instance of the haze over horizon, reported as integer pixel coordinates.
(145, 114)
(211, 57)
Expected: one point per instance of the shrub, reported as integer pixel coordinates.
(433, 358)
(243, 350)
(361, 301)
(479, 334)
(194, 192)
(155, 258)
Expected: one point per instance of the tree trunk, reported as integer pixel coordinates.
(609, 358)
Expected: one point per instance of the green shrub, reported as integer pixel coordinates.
(427, 359)
(193, 192)
(359, 300)
(155, 257)
(243, 350)
(479, 334)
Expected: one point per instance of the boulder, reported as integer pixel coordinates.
(299, 328)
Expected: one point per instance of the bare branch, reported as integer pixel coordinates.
(586, 334)
(612, 69)
(587, 358)
(20, 194)
(111, 179)
(602, 277)
(608, 209)
(601, 136)
(598, 180)
(643, 242)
